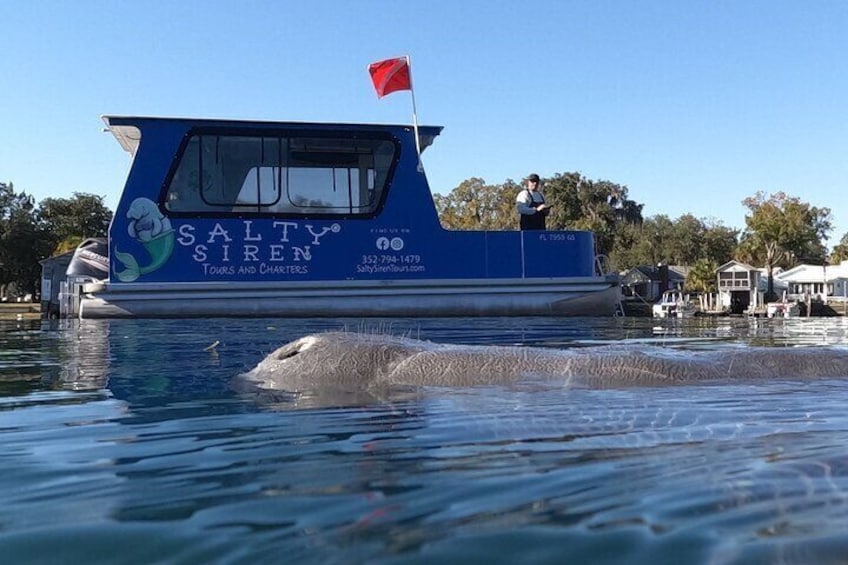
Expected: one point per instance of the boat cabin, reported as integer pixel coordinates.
(233, 218)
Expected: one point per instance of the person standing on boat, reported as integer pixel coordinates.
(532, 209)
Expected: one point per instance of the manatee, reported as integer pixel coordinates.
(341, 363)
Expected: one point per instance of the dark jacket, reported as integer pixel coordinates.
(535, 221)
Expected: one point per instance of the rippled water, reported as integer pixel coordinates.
(121, 442)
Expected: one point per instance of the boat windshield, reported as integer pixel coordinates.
(269, 174)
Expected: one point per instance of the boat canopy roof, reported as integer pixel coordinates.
(127, 129)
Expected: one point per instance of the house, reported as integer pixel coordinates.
(53, 274)
(648, 282)
(828, 283)
(739, 287)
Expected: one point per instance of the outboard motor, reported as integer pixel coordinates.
(91, 259)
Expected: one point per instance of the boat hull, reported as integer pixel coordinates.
(586, 296)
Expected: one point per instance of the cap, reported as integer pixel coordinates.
(534, 177)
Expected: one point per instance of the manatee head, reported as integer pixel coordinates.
(337, 361)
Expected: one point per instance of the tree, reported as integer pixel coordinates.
(781, 230)
(29, 234)
(683, 241)
(702, 276)
(641, 244)
(22, 242)
(474, 205)
(70, 220)
(599, 206)
(627, 251)
(840, 251)
(719, 242)
(686, 241)
(578, 203)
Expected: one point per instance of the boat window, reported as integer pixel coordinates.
(184, 190)
(280, 175)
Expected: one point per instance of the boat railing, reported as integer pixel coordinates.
(603, 268)
(603, 265)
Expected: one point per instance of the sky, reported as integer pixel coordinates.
(692, 105)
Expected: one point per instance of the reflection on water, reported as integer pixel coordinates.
(759, 331)
(116, 433)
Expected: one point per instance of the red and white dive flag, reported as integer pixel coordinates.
(390, 75)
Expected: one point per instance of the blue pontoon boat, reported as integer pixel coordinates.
(245, 218)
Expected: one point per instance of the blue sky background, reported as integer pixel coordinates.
(693, 105)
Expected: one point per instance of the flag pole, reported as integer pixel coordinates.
(414, 115)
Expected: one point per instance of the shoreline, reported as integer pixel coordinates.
(20, 311)
(32, 311)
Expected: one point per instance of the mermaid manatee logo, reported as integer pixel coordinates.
(153, 231)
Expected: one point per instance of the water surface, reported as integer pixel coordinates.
(122, 443)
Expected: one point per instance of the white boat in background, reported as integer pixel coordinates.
(783, 310)
(675, 304)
